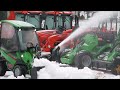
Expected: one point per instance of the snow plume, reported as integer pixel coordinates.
(91, 22)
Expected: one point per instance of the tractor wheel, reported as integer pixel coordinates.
(33, 73)
(3, 68)
(115, 69)
(19, 70)
(83, 60)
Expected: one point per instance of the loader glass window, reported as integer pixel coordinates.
(27, 36)
(34, 19)
(20, 17)
(8, 36)
(68, 22)
(49, 23)
(64, 20)
(59, 21)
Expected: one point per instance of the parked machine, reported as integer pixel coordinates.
(57, 26)
(19, 45)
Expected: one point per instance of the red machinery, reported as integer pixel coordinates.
(9, 15)
(58, 26)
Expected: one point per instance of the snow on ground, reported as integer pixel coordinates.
(53, 70)
(9, 75)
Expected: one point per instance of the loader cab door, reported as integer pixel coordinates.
(34, 19)
(49, 22)
(20, 16)
(9, 38)
(65, 21)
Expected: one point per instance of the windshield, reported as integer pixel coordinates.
(61, 20)
(9, 37)
(64, 21)
(20, 17)
(30, 18)
(34, 19)
(27, 36)
(49, 22)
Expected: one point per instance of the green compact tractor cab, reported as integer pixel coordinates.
(92, 52)
(19, 45)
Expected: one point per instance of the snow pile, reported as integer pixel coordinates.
(52, 70)
(9, 75)
(12, 77)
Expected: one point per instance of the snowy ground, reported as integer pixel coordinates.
(53, 70)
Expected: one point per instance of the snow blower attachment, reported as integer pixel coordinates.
(100, 50)
(19, 46)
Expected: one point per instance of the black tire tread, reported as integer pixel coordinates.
(78, 61)
(3, 67)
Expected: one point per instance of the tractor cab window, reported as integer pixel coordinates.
(33, 19)
(20, 17)
(68, 22)
(64, 21)
(30, 18)
(59, 22)
(27, 36)
(49, 22)
(8, 37)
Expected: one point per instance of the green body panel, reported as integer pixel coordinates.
(114, 53)
(91, 46)
(18, 24)
(88, 44)
(7, 57)
(111, 56)
(26, 56)
(68, 58)
(100, 49)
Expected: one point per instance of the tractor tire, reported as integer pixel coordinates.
(115, 69)
(83, 60)
(33, 73)
(3, 68)
(19, 70)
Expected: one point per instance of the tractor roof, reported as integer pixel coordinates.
(46, 12)
(59, 12)
(18, 24)
(29, 12)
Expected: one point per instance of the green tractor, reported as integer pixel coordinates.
(92, 52)
(19, 45)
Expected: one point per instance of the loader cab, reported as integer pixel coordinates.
(19, 46)
(33, 17)
(58, 20)
(16, 35)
